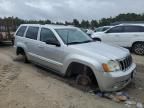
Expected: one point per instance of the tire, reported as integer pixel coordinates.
(20, 51)
(138, 48)
(25, 59)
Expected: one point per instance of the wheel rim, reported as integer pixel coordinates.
(139, 49)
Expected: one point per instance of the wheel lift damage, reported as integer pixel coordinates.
(81, 77)
(84, 79)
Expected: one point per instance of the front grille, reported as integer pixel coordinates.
(125, 63)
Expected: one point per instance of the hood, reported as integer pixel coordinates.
(101, 50)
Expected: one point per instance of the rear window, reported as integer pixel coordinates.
(32, 33)
(117, 29)
(141, 29)
(21, 31)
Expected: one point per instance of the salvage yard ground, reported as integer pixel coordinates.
(28, 86)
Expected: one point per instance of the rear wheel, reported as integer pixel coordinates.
(138, 48)
(20, 51)
(25, 58)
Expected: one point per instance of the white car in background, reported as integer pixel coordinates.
(125, 35)
(89, 32)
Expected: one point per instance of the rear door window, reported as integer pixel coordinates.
(117, 29)
(21, 31)
(32, 33)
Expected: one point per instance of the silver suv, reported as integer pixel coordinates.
(70, 52)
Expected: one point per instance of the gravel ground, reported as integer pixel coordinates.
(28, 86)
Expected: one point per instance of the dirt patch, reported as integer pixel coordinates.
(8, 72)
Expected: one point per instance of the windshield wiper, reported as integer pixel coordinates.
(79, 42)
(73, 43)
(87, 41)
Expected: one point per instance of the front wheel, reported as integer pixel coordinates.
(138, 48)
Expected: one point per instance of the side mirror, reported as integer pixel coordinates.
(97, 39)
(53, 42)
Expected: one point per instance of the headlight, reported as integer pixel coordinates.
(111, 66)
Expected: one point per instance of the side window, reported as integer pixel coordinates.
(99, 29)
(105, 28)
(141, 29)
(47, 34)
(117, 29)
(32, 32)
(132, 29)
(21, 31)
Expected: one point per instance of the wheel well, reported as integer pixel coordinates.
(137, 42)
(75, 69)
(20, 50)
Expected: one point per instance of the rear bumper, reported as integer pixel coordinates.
(117, 80)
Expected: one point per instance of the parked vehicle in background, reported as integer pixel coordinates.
(125, 35)
(70, 52)
(7, 37)
(89, 32)
(103, 28)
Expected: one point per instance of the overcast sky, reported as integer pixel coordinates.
(61, 10)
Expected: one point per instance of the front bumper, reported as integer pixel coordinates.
(117, 80)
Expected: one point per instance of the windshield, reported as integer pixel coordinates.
(73, 36)
(106, 28)
(101, 29)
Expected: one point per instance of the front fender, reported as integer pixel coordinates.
(93, 64)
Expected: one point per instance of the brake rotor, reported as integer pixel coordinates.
(83, 80)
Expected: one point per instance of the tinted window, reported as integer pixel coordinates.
(32, 33)
(21, 31)
(117, 29)
(133, 29)
(46, 34)
(141, 29)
